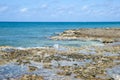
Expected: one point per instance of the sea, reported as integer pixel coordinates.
(37, 34)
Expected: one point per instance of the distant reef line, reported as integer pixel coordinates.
(105, 35)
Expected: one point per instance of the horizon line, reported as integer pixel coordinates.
(60, 21)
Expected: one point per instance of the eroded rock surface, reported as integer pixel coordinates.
(85, 63)
(105, 35)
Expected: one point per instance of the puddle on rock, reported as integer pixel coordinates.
(110, 54)
(12, 70)
(114, 72)
(88, 51)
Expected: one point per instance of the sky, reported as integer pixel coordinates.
(60, 10)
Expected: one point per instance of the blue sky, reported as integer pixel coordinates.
(60, 10)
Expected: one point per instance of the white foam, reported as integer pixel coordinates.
(56, 46)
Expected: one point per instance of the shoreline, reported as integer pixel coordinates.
(64, 62)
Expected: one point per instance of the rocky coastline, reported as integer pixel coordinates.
(105, 35)
(73, 63)
(68, 63)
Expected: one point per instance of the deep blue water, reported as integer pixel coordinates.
(36, 34)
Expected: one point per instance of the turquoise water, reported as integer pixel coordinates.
(36, 34)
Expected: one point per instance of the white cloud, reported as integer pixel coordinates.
(44, 6)
(64, 10)
(24, 10)
(85, 7)
(3, 8)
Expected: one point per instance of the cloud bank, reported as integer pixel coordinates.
(69, 10)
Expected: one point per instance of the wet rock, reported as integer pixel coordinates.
(95, 69)
(31, 77)
(22, 61)
(108, 41)
(2, 62)
(65, 73)
(47, 65)
(37, 58)
(32, 68)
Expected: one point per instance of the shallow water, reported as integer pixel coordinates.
(114, 72)
(110, 54)
(36, 34)
(12, 70)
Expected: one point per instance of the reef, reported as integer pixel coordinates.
(73, 63)
(105, 35)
